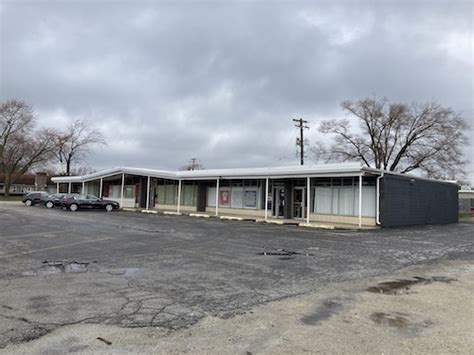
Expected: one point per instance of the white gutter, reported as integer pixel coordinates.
(178, 207)
(377, 213)
(217, 197)
(360, 200)
(266, 199)
(308, 198)
(148, 193)
(121, 190)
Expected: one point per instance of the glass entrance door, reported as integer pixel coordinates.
(278, 210)
(298, 202)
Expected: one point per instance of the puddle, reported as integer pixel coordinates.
(283, 252)
(396, 320)
(58, 267)
(63, 266)
(128, 272)
(133, 271)
(287, 258)
(326, 310)
(399, 286)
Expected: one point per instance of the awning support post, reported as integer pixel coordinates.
(360, 201)
(83, 188)
(217, 197)
(69, 188)
(100, 187)
(266, 199)
(179, 197)
(308, 198)
(148, 193)
(121, 190)
(378, 199)
(57, 187)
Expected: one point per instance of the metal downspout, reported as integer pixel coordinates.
(377, 221)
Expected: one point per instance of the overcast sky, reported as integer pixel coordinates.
(168, 81)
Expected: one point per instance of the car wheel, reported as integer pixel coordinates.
(74, 207)
(49, 204)
(28, 203)
(109, 208)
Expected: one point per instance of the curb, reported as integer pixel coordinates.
(199, 215)
(170, 213)
(149, 211)
(234, 218)
(317, 226)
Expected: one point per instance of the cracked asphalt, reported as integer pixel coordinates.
(60, 268)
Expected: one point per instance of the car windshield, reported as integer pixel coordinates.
(92, 197)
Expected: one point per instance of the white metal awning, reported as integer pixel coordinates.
(282, 172)
(242, 173)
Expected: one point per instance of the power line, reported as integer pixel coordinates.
(301, 124)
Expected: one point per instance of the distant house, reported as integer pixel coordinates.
(20, 184)
(28, 182)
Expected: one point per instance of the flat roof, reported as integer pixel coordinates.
(264, 172)
(295, 171)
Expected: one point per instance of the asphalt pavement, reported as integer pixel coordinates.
(139, 270)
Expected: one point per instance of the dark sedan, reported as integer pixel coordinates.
(54, 200)
(75, 202)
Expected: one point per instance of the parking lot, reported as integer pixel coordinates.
(138, 270)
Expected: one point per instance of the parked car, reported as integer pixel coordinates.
(53, 200)
(75, 202)
(34, 197)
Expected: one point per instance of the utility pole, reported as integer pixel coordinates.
(194, 163)
(301, 124)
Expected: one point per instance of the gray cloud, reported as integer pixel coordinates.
(167, 82)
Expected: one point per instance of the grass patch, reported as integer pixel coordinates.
(11, 198)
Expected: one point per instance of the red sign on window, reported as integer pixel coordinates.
(224, 198)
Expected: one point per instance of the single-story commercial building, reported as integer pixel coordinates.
(330, 193)
(466, 201)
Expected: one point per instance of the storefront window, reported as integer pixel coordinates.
(224, 196)
(340, 196)
(237, 194)
(250, 198)
(188, 193)
(128, 192)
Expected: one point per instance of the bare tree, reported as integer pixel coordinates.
(194, 164)
(21, 146)
(75, 143)
(16, 117)
(82, 170)
(398, 137)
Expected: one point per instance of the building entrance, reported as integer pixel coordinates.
(278, 207)
(299, 202)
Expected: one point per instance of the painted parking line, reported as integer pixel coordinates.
(52, 248)
(48, 233)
